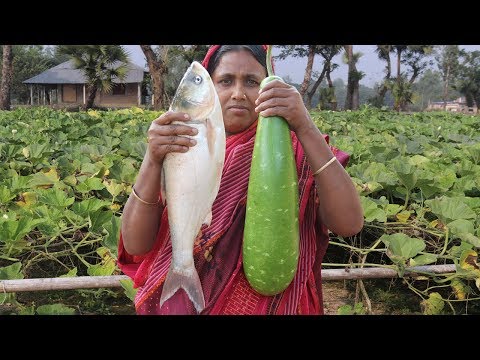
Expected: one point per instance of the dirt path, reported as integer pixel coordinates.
(334, 295)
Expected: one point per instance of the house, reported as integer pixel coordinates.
(458, 105)
(63, 85)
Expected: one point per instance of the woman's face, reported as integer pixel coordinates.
(237, 80)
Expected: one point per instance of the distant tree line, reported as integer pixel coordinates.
(423, 73)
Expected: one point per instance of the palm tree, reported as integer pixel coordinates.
(101, 65)
(7, 76)
(383, 53)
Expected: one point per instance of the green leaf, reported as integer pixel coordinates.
(403, 216)
(98, 219)
(37, 151)
(371, 211)
(44, 179)
(470, 238)
(91, 169)
(392, 209)
(124, 171)
(468, 266)
(17, 183)
(456, 251)
(12, 231)
(373, 172)
(55, 309)
(84, 207)
(103, 269)
(403, 246)
(445, 179)
(89, 185)
(27, 310)
(449, 209)
(130, 291)
(474, 151)
(70, 273)
(70, 180)
(11, 272)
(460, 226)
(55, 197)
(460, 289)
(418, 160)
(5, 195)
(113, 230)
(345, 310)
(407, 174)
(423, 259)
(433, 305)
(113, 187)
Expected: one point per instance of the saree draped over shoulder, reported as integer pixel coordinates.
(218, 248)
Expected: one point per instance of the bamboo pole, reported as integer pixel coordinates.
(382, 273)
(89, 282)
(64, 283)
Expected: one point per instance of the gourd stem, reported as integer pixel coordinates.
(269, 60)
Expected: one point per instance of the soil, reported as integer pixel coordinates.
(334, 295)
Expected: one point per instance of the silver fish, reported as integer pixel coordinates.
(190, 181)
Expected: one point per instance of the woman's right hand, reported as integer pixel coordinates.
(164, 137)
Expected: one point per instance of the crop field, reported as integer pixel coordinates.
(64, 178)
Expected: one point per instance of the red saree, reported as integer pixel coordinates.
(218, 249)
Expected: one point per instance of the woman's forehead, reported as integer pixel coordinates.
(239, 61)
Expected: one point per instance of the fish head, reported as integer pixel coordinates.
(196, 93)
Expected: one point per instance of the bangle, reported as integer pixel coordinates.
(325, 166)
(141, 200)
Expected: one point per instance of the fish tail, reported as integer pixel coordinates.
(188, 281)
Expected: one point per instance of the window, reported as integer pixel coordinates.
(119, 89)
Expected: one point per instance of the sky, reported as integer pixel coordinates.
(295, 67)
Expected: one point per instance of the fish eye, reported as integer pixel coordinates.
(197, 79)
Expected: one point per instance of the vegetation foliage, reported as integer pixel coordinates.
(64, 178)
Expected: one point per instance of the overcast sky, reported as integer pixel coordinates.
(295, 67)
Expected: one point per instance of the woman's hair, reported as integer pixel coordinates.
(258, 52)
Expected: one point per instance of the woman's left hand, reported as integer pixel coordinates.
(280, 99)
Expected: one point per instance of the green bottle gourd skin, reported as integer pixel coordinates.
(271, 234)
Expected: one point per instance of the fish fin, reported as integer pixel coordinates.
(188, 281)
(163, 193)
(208, 219)
(211, 136)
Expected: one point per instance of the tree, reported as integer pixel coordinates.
(190, 53)
(354, 76)
(28, 61)
(301, 51)
(101, 64)
(157, 67)
(332, 99)
(328, 52)
(383, 53)
(468, 80)
(428, 88)
(447, 58)
(402, 93)
(7, 75)
(416, 57)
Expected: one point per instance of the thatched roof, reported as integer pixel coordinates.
(65, 73)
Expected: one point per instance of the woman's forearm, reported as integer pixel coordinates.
(339, 209)
(140, 221)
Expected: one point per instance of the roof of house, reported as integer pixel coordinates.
(65, 73)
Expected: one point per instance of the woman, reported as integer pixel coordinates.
(328, 199)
